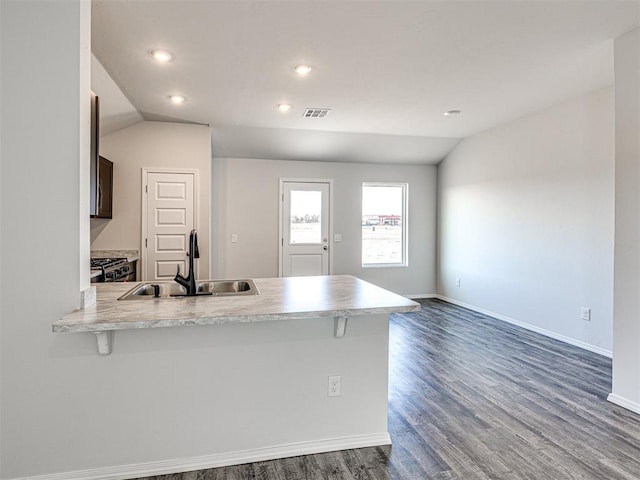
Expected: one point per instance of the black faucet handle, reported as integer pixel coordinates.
(193, 244)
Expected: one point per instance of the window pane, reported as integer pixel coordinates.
(306, 211)
(383, 224)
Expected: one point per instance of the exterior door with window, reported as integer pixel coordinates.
(305, 228)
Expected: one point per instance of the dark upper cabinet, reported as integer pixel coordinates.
(104, 189)
(101, 200)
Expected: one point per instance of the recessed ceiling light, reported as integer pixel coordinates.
(284, 107)
(161, 55)
(302, 69)
(452, 112)
(177, 99)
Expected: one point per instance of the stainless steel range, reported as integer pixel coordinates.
(112, 270)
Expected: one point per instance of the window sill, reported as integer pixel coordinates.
(385, 265)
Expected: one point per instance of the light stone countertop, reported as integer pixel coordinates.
(130, 255)
(280, 299)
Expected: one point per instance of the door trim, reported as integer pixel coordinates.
(145, 213)
(280, 219)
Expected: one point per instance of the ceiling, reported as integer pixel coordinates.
(388, 70)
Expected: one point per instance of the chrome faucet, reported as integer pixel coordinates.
(190, 281)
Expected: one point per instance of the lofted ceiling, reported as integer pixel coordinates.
(388, 70)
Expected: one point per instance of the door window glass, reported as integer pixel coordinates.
(306, 217)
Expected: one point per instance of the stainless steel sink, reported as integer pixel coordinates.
(216, 288)
(227, 287)
(150, 290)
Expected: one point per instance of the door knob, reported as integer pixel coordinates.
(325, 248)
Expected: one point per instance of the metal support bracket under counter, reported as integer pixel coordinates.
(104, 339)
(340, 327)
(337, 297)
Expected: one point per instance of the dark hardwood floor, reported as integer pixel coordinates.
(471, 397)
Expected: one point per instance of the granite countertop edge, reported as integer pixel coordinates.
(292, 298)
(182, 322)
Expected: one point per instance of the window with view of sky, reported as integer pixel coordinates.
(384, 207)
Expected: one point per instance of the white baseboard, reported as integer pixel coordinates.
(533, 328)
(165, 467)
(624, 403)
(418, 296)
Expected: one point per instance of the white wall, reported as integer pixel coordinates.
(43, 141)
(167, 396)
(116, 111)
(246, 189)
(526, 220)
(1, 223)
(162, 394)
(626, 341)
(84, 143)
(152, 144)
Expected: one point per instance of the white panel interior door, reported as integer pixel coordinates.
(305, 228)
(170, 219)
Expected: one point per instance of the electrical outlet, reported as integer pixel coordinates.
(234, 238)
(457, 282)
(335, 386)
(585, 314)
(337, 237)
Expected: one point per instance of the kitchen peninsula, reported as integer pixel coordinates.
(254, 364)
(290, 298)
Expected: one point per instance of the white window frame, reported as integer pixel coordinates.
(405, 225)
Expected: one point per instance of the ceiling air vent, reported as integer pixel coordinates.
(316, 112)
